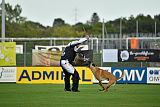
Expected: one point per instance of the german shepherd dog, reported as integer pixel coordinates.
(103, 75)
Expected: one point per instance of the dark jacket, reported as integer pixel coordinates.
(69, 54)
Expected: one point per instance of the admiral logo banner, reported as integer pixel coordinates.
(8, 54)
(50, 75)
(139, 55)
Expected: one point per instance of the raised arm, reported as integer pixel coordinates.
(78, 41)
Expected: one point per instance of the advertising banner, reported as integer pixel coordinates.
(52, 58)
(50, 75)
(8, 54)
(8, 74)
(83, 57)
(131, 75)
(153, 75)
(46, 58)
(110, 55)
(19, 49)
(139, 55)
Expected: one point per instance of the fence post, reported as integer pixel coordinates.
(3, 21)
(54, 42)
(141, 64)
(102, 58)
(92, 44)
(25, 54)
(97, 44)
(51, 42)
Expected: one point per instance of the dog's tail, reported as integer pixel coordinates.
(121, 75)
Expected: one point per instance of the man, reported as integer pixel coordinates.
(66, 62)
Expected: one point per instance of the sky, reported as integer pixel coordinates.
(73, 11)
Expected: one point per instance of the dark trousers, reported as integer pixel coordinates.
(75, 79)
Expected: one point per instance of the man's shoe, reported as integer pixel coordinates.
(67, 90)
(75, 91)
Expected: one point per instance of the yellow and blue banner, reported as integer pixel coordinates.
(8, 54)
(50, 75)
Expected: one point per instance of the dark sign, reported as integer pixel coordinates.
(83, 57)
(139, 55)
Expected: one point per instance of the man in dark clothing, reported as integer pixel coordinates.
(66, 61)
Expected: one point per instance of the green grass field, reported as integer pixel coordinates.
(52, 95)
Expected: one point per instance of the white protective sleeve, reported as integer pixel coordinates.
(66, 65)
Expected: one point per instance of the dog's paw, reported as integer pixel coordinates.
(105, 90)
(101, 89)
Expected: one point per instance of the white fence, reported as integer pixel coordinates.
(96, 43)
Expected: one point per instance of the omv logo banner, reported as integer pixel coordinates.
(131, 75)
(153, 75)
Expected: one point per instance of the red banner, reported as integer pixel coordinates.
(133, 43)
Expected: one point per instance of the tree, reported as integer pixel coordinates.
(58, 22)
(62, 31)
(17, 12)
(157, 17)
(13, 14)
(130, 25)
(145, 23)
(95, 18)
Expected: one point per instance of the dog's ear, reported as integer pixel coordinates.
(93, 65)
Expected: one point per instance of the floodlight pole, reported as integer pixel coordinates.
(103, 35)
(155, 29)
(121, 33)
(102, 44)
(137, 28)
(3, 21)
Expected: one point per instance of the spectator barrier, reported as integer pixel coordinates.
(150, 75)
